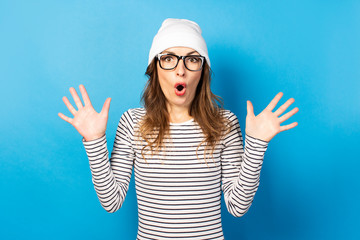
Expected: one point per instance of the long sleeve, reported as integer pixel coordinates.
(111, 179)
(240, 168)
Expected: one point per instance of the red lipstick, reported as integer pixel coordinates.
(180, 89)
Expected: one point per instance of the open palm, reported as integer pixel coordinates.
(90, 124)
(266, 125)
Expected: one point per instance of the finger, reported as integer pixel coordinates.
(289, 126)
(250, 108)
(69, 106)
(85, 95)
(288, 115)
(67, 119)
(283, 107)
(106, 107)
(76, 98)
(274, 102)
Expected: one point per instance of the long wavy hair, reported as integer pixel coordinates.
(205, 109)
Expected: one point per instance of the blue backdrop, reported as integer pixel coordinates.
(308, 49)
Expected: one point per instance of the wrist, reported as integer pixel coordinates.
(260, 140)
(258, 136)
(94, 137)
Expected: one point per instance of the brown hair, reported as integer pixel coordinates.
(205, 109)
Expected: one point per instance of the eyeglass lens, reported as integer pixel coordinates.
(193, 63)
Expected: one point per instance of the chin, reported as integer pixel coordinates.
(180, 103)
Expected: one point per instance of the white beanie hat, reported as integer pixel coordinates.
(178, 33)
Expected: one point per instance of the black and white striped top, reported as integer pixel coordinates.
(178, 194)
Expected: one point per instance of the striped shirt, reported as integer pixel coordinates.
(178, 193)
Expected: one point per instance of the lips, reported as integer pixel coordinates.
(180, 89)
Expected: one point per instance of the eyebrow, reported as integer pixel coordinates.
(176, 54)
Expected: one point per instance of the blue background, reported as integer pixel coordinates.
(308, 49)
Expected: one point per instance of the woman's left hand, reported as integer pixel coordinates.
(266, 125)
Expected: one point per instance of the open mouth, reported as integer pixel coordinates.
(180, 89)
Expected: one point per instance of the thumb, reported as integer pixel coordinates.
(106, 107)
(250, 109)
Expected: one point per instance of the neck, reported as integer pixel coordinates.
(178, 114)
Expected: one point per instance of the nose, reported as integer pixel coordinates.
(180, 68)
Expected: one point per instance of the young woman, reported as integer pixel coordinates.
(184, 147)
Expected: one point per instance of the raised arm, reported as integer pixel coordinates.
(111, 179)
(241, 167)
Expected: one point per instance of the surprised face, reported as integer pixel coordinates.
(179, 84)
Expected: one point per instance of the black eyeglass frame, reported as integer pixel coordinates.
(159, 55)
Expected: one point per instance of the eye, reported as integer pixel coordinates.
(193, 59)
(167, 58)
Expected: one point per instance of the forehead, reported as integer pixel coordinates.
(183, 51)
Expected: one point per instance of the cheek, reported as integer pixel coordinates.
(163, 74)
(164, 83)
(196, 81)
(160, 76)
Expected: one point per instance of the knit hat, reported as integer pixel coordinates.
(178, 33)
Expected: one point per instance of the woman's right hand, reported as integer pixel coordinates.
(90, 124)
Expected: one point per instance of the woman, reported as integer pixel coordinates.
(185, 148)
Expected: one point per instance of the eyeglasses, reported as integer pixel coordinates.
(170, 61)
